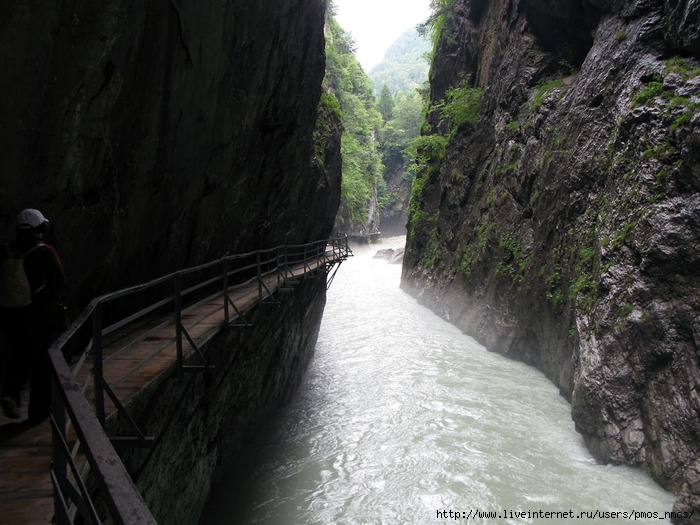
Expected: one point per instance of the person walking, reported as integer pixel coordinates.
(29, 329)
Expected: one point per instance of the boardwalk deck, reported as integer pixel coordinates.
(25, 486)
(135, 358)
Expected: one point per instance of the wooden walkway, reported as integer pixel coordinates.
(25, 486)
(134, 359)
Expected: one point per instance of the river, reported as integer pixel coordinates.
(403, 419)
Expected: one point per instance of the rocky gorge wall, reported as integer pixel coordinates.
(561, 225)
(158, 135)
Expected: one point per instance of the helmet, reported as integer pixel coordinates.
(29, 219)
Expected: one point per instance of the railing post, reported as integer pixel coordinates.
(286, 260)
(224, 279)
(278, 264)
(257, 261)
(97, 363)
(177, 298)
(305, 259)
(59, 461)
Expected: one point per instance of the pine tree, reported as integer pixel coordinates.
(386, 104)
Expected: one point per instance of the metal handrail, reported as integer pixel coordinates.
(121, 496)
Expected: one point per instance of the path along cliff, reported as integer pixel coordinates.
(156, 136)
(556, 216)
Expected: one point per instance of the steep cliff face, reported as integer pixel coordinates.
(157, 135)
(561, 226)
(393, 218)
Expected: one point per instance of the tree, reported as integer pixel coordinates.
(386, 104)
(396, 134)
(362, 165)
(405, 66)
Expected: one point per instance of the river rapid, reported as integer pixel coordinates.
(403, 419)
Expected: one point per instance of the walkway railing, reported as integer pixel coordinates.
(79, 427)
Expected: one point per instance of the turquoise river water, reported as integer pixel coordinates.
(403, 419)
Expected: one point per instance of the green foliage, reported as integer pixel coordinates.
(356, 189)
(661, 152)
(468, 259)
(408, 114)
(682, 108)
(426, 150)
(543, 89)
(329, 101)
(461, 105)
(625, 310)
(516, 260)
(428, 223)
(354, 91)
(648, 93)
(435, 26)
(621, 236)
(680, 66)
(491, 197)
(417, 187)
(567, 67)
(396, 134)
(513, 126)
(584, 284)
(587, 254)
(423, 224)
(386, 104)
(405, 67)
(482, 232)
(328, 109)
(554, 292)
(689, 108)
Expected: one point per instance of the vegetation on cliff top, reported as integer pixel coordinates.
(460, 106)
(362, 166)
(377, 132)
(435, 26)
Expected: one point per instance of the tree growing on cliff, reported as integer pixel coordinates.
(362, 166)
(436, 23)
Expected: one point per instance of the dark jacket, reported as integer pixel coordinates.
(46, 278)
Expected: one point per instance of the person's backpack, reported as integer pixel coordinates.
(14, 285)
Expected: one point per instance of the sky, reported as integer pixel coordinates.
(376, 24)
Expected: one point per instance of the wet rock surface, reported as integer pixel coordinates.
(393, 256)
(161, 135)
(564, 226)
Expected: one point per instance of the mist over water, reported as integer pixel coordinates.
(401, 417)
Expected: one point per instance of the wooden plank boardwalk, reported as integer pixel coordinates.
(25, 486)
(133, 359)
